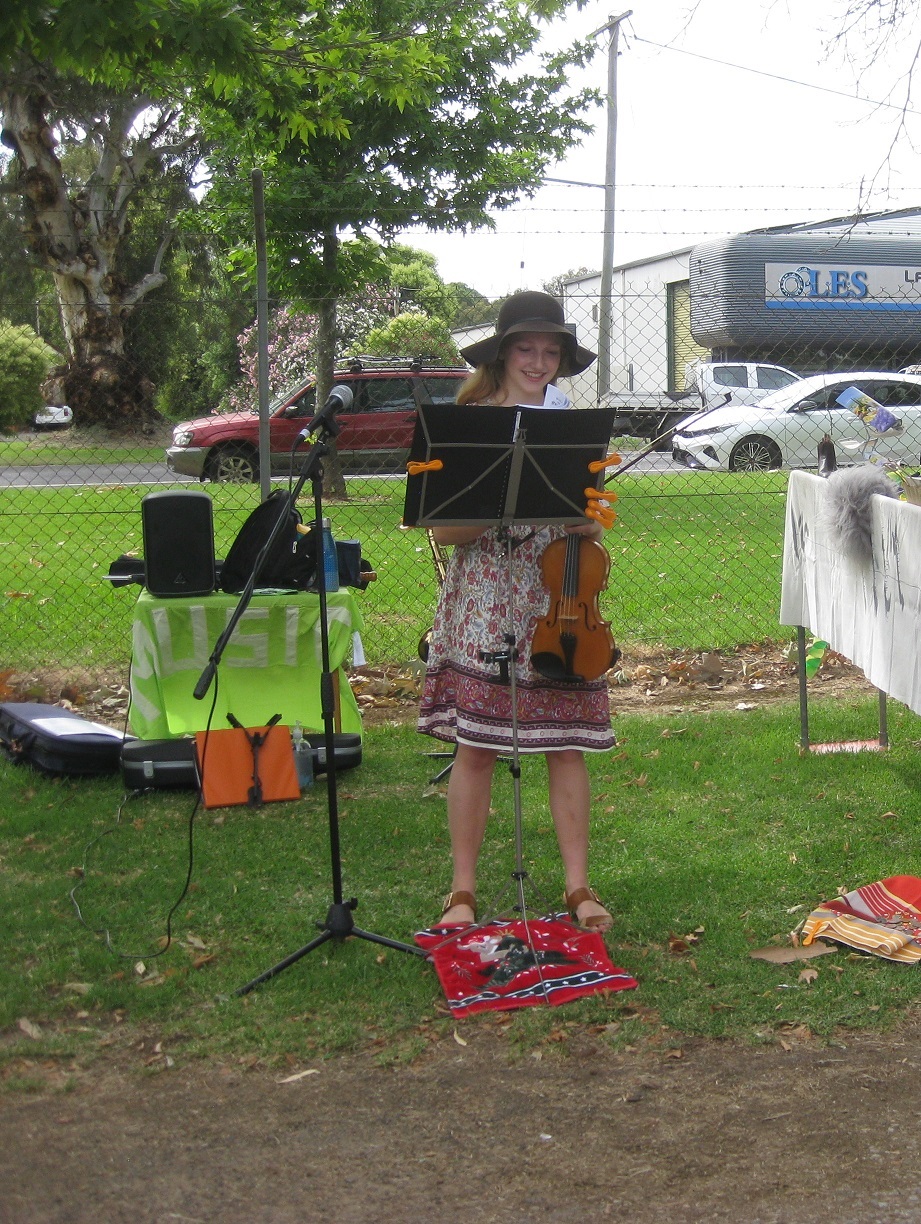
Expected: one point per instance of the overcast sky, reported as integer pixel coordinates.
(775, 125)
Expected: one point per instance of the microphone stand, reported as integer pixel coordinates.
(339, 923)
(326, 426)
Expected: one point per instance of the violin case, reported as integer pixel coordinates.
(58, 741)
(168, 763)
(346, 750)
(147, 764)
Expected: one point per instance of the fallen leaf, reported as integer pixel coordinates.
(639, 780)
(783, 956)
(30, 1029)
(808, 975)
(458, 1038)
(298, 1075)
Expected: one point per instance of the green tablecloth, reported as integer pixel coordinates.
(272, 663)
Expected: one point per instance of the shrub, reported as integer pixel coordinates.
(293, 344)
(25, 360)
(414, 335)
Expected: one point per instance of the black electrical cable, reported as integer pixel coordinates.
(103, 932)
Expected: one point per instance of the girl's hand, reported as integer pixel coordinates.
(594, 531)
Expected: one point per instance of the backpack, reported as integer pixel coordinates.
(292, 560)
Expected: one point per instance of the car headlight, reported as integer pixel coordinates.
(704, 431)
(182, 437)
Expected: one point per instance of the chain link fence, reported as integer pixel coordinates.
(696, 549)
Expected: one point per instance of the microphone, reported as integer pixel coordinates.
(338, 400)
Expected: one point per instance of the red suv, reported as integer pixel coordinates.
(375, 433)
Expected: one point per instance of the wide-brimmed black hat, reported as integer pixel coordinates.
(530, 312)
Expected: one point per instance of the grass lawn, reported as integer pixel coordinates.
(708, 826)
(696, 562)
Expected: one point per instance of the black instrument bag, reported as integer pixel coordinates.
(57, 740)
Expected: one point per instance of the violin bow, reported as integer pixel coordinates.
(698, 416)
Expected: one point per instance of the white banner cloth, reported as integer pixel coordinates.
(869, 611)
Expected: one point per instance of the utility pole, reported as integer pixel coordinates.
(605, 312)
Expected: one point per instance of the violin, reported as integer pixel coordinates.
(572, 643)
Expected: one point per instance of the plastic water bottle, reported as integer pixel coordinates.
(330, 558)
(303, 756)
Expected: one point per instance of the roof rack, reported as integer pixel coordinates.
(361, 362)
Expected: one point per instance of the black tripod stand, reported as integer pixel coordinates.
(339, 923)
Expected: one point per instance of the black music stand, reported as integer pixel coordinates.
(502, 467)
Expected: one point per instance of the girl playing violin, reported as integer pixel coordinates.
(464, 700)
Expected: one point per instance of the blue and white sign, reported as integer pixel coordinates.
(848, 287)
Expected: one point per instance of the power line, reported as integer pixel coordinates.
(773, 76)
(785, 187)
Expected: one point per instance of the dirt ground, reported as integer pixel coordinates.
(647, 680)
(793, 1133)
(708, 1132)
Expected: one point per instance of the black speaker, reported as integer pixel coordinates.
(178, 543)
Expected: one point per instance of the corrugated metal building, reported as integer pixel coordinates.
(813, 296)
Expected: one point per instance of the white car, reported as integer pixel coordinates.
(785, 429)
(53, 416)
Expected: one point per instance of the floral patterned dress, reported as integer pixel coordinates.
(465, 698)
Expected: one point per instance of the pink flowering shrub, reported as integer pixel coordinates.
(292, 345)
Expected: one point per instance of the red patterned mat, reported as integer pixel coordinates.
(520, 963)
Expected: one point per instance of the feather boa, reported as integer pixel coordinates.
(847, 507)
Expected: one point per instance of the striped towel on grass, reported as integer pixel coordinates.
(883, 918)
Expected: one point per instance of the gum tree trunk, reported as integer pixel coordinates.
(77, 237)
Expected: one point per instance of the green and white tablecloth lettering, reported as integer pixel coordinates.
(272, 663)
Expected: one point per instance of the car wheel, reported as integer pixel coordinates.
(755, 455)
(234, 464)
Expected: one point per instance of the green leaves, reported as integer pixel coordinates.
(815, 653)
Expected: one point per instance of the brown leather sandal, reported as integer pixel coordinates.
(461, 897)
(596, 922)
